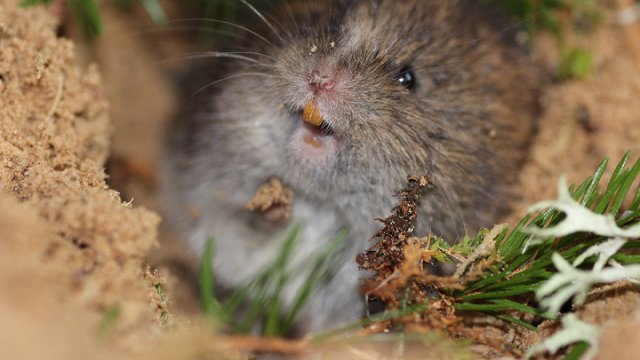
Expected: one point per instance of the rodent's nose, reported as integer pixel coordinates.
(321, 81)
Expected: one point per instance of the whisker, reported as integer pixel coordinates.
(255, 53)
(228, 78)
(259, 14)
(226, 23)
(293, 19)
(246, 53)
(200, 29)
(281, 26)
(216, 54)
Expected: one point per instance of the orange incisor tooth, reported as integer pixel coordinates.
(312, 114)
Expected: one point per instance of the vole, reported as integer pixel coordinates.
(341, 101)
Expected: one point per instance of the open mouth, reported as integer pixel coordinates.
(314, 121)
(314, 139)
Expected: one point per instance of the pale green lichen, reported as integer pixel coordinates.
(573, 330)
(579, 219)
(571, 282)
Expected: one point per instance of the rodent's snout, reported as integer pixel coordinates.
(321, 80)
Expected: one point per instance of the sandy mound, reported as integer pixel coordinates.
(71, 251)
(585, 120)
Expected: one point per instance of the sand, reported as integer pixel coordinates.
(70, 249)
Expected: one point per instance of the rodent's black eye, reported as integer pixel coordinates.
(407, 78)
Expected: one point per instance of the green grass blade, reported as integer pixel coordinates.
(580, 190)
(206, 278)
(268, 284)
(577, 351)
(516, 321)
(510, 246)
(630, 218)
(512, 291)
(604, 201)
(109, 320)
(237, 298)
(285, 252)
(88, 13)
(315, 274)
(635, 204)
(622, 193)
(592, 188)
(27, 3)
(513, 305)
(627, 259)
(155, 11)
(272, 319)
(525, 277)
(480, 307)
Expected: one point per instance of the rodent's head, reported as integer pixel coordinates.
(354, 77)
(393, 88)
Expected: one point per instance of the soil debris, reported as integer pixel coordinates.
(273, 200)
(399, 262)
(388, 253)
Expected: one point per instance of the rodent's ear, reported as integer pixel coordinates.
(406, 77)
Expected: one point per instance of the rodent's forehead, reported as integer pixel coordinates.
(382, 34)
(391, 27)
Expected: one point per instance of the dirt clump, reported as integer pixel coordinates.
(273, 200)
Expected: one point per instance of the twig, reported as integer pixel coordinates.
(56, 101)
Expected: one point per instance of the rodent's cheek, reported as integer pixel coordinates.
(310, 144)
